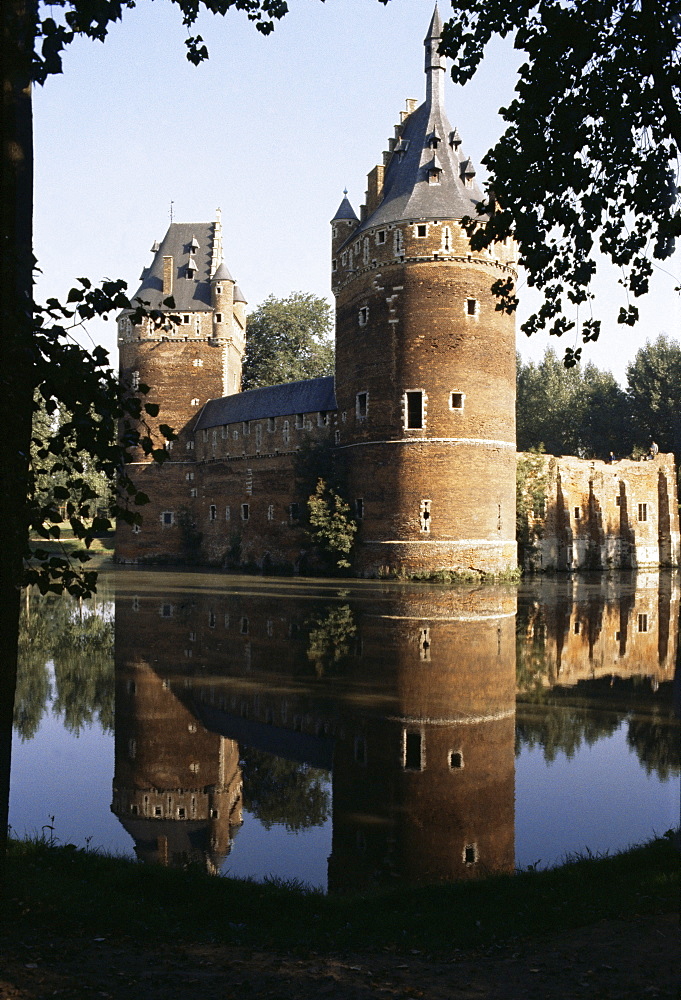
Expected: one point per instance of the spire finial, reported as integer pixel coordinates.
(435, 63)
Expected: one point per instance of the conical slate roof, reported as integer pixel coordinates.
(427, 142)
(191, 279)
(345, 211)
(222, 273)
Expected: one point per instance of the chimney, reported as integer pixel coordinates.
(167, 276)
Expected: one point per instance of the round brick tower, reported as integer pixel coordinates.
(425, 362)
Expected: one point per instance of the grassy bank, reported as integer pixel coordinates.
(80, 893)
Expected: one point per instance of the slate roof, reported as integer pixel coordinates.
(345, 211)
(191, 289)
(272, 401)
(407, 195)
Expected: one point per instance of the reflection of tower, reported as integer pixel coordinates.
(177, 787)
(425, 790)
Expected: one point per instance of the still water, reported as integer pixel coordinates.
(349, 733)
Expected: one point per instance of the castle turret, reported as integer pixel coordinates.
(190, 353)
(425, 362)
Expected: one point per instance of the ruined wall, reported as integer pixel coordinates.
(598, 515)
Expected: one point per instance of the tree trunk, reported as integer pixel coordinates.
(17, 359)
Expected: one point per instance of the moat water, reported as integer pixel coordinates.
(349, 733)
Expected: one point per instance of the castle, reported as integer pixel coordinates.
(420, 416)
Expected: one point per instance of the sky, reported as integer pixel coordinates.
(270, 130)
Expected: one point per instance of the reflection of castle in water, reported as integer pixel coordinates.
(406, 693)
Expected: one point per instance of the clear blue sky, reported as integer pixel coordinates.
(270, 129)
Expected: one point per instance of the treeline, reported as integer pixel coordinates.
(583, 411)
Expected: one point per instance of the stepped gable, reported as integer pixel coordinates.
(188, 243)
(271, 401)
(426, 142)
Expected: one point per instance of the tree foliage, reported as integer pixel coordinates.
(654, 380)
(589, 160)
(573, 411)
(288, 340)
(333, 527)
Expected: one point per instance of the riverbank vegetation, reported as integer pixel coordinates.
(88, 894)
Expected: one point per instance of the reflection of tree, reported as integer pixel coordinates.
(559, 728)
(330, 637)
(657, 744)
(83, 668)
(80, 642)
(281, 791)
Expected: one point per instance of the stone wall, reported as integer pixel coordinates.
(597, 515)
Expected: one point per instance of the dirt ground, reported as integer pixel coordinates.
(638, 959)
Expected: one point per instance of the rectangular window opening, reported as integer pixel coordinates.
(456, 400)
(643, 623)
(362, 405)
(413, 747)
(414, 409)
(471, 307)
(643, 512)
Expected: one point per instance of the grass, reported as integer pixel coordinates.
(76, 892)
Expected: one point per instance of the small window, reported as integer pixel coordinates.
(271, 424)
(134, 381)
(421, 231)
(576, 628)
(190, 445)
(424, 515)
(294, 511)
(414, 409)
(270, 512)
(300, 421)
(195, 401)
(413, 751)
(380, 237)
(285, 432)
(186, 318)
(456, 760)
(359, 508)
(398, 241)
(136, 529)
(245, 511)
(643, 512)
(471, 307)
(193, 492)
(470, 854)
(218, 317)
(166, 611)
(213, 512)
(364, 316)
(334, 264)
(456, 401)
(322, 418)
(446, 238)
(244, 626)
(578, 513)
(228, 513)
(211, 619)
(336, 437)
(167, 517)
(643, 623)
(189, 476)
(197, 362)
(362, 405)
(246, 427)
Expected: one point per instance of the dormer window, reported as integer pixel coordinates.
(434, 170)
(402, 147)
(454, 139)
(194, 245)
(434, 139)
(467, 173)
